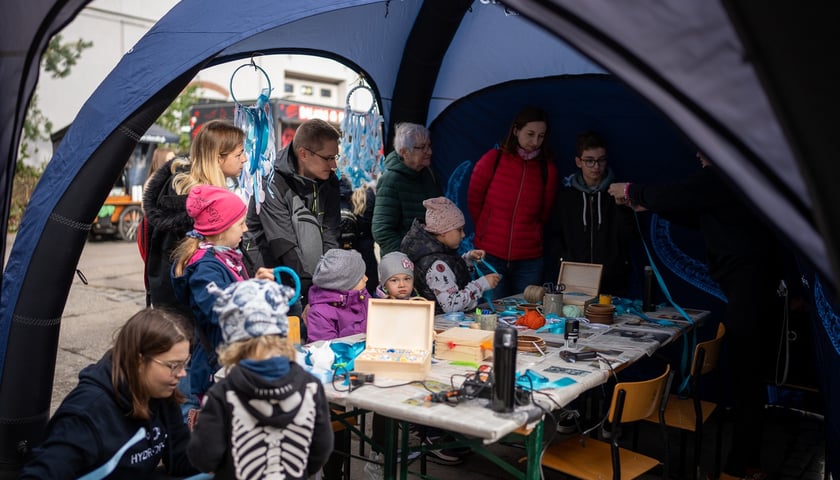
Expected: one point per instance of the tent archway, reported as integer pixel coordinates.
(778, 163)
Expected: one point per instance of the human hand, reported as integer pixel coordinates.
(493, 279)
(617, 191)
(477, 254)
(264, 273)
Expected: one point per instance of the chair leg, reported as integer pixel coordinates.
(683, 446)
(666, 462)
(698, 445)
(718, 443)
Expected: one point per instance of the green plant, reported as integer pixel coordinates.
(26, 178)
(176, 117)
(58, 60)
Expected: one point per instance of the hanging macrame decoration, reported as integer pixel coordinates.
(260, 146)
(362, 157)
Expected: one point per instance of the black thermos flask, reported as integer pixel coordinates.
(648, 291)
(504, 369)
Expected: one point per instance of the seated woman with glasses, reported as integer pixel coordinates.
(123, 418)
(407, 181)
(587, 226)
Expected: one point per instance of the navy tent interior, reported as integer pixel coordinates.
(748, 84)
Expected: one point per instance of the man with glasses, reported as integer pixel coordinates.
(587, 225)
(407, 181)
(298, 217)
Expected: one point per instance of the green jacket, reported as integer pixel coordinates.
(399, 200)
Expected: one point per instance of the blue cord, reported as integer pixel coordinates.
(692, 333)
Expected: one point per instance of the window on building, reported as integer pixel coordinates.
(326, 93)
(288, 88)
(306, 90)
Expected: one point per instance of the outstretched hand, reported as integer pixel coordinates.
(617, 192)
(264, 273)
(477, 254)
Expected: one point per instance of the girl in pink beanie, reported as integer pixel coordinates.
(209, 254)
(440, 273)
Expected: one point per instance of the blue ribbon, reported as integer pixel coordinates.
(346, 353)
(692, 333)
(108, 467)
(531, 380)
(487, 297)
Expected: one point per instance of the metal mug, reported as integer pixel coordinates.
(552, 303)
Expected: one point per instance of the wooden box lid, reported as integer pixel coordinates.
(580, 278)
(400, 324)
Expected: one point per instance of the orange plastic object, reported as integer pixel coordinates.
(532, 319)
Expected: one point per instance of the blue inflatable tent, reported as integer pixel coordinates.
(748, 84)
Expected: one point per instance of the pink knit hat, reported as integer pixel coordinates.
(442, 215)
(214, 209)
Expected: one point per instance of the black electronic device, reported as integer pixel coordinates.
(504, 369)
(573, 357)
(572, 332)
(648, 290)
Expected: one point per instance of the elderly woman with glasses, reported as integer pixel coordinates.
(407, 181)
(123, 418)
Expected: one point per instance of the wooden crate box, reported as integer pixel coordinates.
(464, 344)
(398, 339)
(582, 282)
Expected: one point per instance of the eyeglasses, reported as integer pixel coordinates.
(326, 159)
(590, 162)
(174, 367)
(424, 147)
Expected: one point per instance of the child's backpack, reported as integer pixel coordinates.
(349, 229)
(143, 236)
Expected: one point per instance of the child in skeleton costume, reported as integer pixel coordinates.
(268, 418)
(440, 274)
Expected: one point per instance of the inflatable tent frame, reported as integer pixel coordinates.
(748, 83)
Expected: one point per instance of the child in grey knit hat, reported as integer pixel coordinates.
(396, 277)
(338, 297)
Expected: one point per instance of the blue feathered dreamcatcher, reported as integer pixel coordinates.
(260, 145)
(362, 158)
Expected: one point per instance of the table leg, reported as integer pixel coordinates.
(533, 447)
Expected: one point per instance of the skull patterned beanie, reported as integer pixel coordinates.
(252, 308)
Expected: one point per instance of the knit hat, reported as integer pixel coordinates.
(214, 209)
(339, 270)
(442, 215)
(392, 264)
(252, 308)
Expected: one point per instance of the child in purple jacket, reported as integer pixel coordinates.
(338, 298)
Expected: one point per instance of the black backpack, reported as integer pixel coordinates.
(349, 229)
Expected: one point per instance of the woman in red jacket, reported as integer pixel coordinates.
(510, 195)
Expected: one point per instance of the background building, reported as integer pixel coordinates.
(114, 26)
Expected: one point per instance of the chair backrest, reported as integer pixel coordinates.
(710, 353)
(640, 399)
(294, 329)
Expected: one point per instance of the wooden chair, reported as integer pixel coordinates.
(688, 413)
(592, 459)
(294, 329)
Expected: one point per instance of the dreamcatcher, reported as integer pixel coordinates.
(260, 150)
(362, 156)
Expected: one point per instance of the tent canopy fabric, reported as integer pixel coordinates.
(463, 68)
